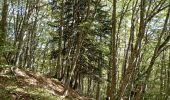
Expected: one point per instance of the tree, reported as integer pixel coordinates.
(113, 52)
(3, 23)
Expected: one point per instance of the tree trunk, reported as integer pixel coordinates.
(3, 23)
(98, 91)
(113, 63)
(59, 65)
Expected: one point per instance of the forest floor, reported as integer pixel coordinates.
(19, 84)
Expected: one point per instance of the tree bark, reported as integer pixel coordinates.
(114, 50)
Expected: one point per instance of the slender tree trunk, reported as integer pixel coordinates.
(59, 65)
(3, 23)
(113, 63)
(108, 83)
(98, 91)
(161, 80)
(168, 79)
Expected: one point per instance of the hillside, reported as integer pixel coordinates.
(19, 84)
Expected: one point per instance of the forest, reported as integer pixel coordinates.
(84, 49)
